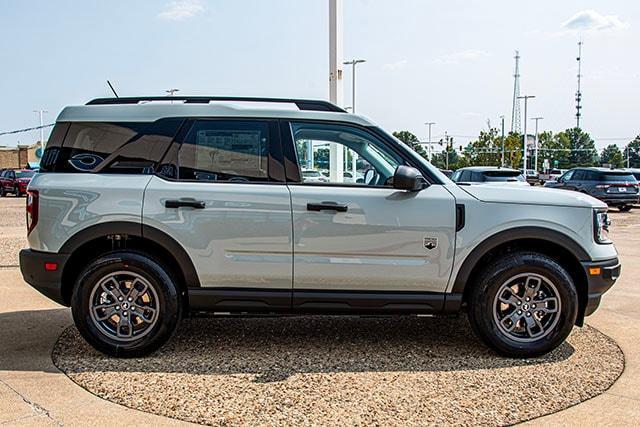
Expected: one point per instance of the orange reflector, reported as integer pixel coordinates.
(594, 271)
(51, 266)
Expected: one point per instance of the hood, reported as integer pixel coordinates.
(532, 196)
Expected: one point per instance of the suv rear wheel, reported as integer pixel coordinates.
(524, 304)
(126, 304)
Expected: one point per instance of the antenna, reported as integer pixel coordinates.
(579, 91)
(515, 110)
(112, 89)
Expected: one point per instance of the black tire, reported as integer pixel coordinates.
(483, 303)
(16, 191)
(159, 285)
(2, 193)
(624, 208)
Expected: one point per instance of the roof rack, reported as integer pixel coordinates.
(302, 104)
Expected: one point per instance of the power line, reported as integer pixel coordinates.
(11, 132)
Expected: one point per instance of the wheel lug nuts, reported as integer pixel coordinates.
(117, 307)
(527, 299)
(519, 303)
(519, 311)
(133, 308)
(528, 314)
(129, 299)
(533, 306)
(120, 298)
(125, 314)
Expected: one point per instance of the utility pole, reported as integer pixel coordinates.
(502, 126)
(524, 139)
(515, 109)
(579, 91)
(535, 162)
(41, 113)
(429, 124)
(336, 154)
(353, 64)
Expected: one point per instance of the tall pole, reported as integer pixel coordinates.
(353, 64)
(535, 162)
(579, 91)
(336, 154)
(429, 124)
(524, 139)
(502, 139)
(171, 92)
(41, 114)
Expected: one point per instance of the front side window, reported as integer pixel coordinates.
(217, 150)
(361, 158)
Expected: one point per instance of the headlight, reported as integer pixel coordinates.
(601, 226)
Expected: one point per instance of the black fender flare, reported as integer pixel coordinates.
(518, 233)
(136, 229)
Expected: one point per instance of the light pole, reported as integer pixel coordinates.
(41, 113)
(535, 156)
(524, 139)
(353, 64)
(171, 92)
(502, 154)
(429, 124)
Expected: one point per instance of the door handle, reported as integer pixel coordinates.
(196, 204)
(327, 206)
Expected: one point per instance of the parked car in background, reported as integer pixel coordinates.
(616, 187)
(531, 176)
(15, 181)
(312, 175)
(551, 175)
(447, 172)
(635, 173)
(488, 175)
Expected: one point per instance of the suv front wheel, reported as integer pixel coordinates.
(524, 304)
(125, 304)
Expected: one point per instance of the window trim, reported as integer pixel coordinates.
(293, 170)
(275, 158)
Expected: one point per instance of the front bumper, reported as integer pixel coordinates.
(601, 276)
(48, 283)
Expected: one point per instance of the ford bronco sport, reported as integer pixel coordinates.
(145, 210)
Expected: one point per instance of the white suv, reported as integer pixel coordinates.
(145, 210)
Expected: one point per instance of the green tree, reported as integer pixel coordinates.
(634, 152)
(613, 156)
(412, 141)
(583, 149)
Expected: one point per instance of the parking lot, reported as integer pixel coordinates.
(324, 370)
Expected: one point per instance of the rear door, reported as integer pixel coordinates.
(365, 238)
(221, 194)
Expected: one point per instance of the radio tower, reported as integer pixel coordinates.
(579, 91)
(515, 111)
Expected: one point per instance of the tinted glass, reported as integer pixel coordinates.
(366, 160)
(578, 175)
(25, 174)
(109, 147)
(217, 150)
(503, 176)
(591, 176)
(617, 176)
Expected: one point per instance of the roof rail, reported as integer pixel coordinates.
(302, 104)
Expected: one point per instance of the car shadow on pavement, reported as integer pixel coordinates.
(273, 349)
(27, 338)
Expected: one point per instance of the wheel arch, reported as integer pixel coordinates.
(555, 244)
(107, 237)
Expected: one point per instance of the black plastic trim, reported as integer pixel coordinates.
(537, 233)
(598, 285)
(239, 299)
(48, 283)
(460, 216)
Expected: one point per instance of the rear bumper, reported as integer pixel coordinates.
(48, 283)
(616, 200)
(608, 272)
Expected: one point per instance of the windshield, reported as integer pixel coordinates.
(502, 176)
(25, 174)
(310, 173)
(619, 176)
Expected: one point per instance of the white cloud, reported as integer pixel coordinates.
(179, 10)
(590, 21)
(395, 65)
(465, 55)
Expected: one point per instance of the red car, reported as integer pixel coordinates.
(15, 181)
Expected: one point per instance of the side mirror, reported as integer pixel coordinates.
(408, 178)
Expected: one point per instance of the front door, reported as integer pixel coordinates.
(357, 233)
(220, 200)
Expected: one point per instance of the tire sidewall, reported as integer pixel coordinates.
(168, 303)
(482, 309)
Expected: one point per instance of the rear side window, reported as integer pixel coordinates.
(503, 176)
(613, 176)
(109, 147)
(578, 175)
(225, 150)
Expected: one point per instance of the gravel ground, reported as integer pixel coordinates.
(13, 234)
(342, 371)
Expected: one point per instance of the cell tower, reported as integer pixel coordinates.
(579, 91)
(515, 111)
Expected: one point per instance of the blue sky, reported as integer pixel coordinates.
(450, 62)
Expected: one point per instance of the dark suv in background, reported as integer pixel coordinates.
(616, 187)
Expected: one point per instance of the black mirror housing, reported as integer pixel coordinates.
(408, 178)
